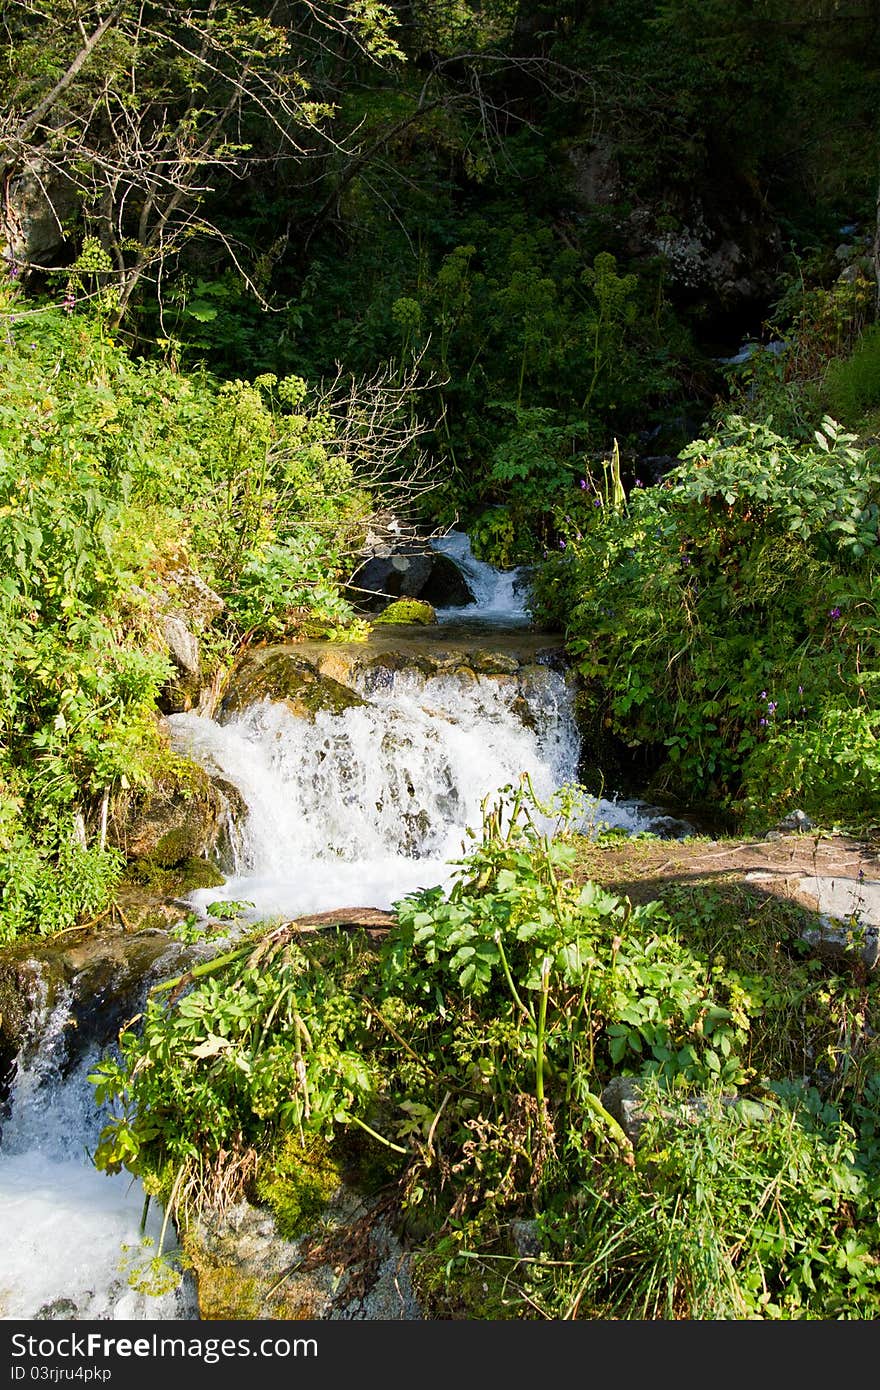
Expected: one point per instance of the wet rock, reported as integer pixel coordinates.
(494, 663)
(99, 977)
(282, 673)
(352, 1268)
(421, 574)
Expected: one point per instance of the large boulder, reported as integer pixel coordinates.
(409, 573)
(34, 207)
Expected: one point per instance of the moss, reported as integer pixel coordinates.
(224, 1294)
(465, 1290)
(297, 1183)
(177, 878)
(407, 610)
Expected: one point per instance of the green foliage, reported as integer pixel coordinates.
(116, 474)
(734, 1211)
(474, 1050)
(852, 384)
(728, 616)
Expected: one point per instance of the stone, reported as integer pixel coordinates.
(183, 645)
(408, 610)
(351, 1267)
(178, 819)
(410, 573)
(36, 205)
(796, 820)
(282, 673)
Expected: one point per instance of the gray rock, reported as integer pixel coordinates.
(796, 820)
(183, 645)
(350, 1268)
(409, 573)
(37, 203)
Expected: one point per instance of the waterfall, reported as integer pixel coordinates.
(71, 1234)
(351, 807)
(500, 595)
(361, 807)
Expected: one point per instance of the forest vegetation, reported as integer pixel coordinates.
(273, 271)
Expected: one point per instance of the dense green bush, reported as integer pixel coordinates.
(728, 617)
(473, 1047)
(113, 474)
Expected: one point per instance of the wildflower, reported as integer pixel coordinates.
(584, 485)
(762, 722)
(685, 559)
(638, 483)
(562, 545)
(800, 690)
(763, 695)
(834, 613)
(771, 707)
(597, 501)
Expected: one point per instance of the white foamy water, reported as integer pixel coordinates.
(500, 594)
(360, 808)
(71, 1235)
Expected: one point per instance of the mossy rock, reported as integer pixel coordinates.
(178, 820)
(225, 1291)
(280, 673)
(407, 610)
(296, 1184)
(177, 879)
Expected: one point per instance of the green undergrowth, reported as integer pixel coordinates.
(471, 1049)
(725, 620)
(123, 485)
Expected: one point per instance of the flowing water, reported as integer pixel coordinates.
(71, 1235)
(350, 808)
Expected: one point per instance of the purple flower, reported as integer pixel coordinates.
(771, 707)
(763, 722)
(597, 501)
(800, 690)
(562, 545)
(834, 613)
(584, 484)
(763, 695)
(638, 483)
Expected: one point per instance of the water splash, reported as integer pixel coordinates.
(500, 595)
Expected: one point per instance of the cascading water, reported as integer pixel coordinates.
(353, 807)
(499, 595)
(72, 1240)
(361, 807)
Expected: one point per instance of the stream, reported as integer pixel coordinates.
(354, 805)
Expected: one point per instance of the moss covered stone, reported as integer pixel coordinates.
(408, 610)
(297, 1183)
(281, 673)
